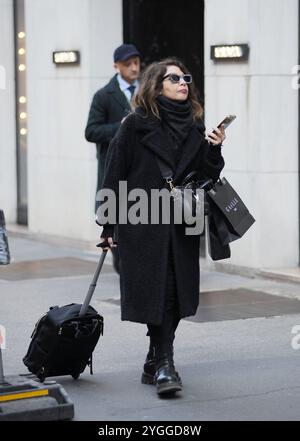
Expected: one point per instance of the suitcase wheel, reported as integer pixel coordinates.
(41, 378)
(75, 376)
(41, 374)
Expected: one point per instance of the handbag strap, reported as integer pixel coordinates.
(166, 172)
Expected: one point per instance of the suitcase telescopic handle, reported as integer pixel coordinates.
(92, 287)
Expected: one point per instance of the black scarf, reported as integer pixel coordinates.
(177, 119)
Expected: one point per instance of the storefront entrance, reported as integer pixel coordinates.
(167, 28)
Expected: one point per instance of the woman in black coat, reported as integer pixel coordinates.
(159, 263)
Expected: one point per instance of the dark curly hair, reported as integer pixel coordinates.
(151, 87)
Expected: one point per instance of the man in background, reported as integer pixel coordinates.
(109, 106)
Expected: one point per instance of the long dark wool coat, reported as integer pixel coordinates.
(144, 248)
(108, 108)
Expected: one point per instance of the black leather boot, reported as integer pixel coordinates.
(166, 378)
(149, 366)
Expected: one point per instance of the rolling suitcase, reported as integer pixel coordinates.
(64, 338)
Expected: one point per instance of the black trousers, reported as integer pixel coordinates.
(163, 335)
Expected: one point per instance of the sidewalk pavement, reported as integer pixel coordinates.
(235, 356)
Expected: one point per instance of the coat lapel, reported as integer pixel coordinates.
(156, 140)
(117, 94)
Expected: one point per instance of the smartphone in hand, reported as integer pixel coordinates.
(227, 121)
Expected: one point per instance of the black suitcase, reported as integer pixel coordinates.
(64, 338)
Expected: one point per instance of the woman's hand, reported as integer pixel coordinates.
(110, 242)
(216, 136)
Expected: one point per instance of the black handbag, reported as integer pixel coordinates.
(189, 196)
(231, 216)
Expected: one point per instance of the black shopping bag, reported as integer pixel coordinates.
(231, 216)
(221, 227)
(216, 249)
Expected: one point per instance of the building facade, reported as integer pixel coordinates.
(48, 170)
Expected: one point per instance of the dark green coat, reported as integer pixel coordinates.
(143, 248)
(108, 108)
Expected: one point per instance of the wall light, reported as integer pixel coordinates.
(66, 57)
(229, 52)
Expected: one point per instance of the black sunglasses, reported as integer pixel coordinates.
(175, 78)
